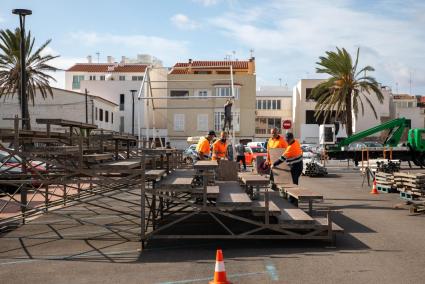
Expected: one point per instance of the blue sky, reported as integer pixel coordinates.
(287, 36)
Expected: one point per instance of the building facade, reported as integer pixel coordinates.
(273, 106)
(306, 126)
(407, 106)
(64, 104)
(121, 83)
(189, 114)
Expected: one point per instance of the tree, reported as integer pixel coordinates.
(346, 89)
(36, 66)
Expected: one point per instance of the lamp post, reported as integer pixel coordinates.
(132, 111)
(24, 99)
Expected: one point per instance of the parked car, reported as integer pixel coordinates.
(189, 155)
(13, 164)
(364, 144)
(251, 154)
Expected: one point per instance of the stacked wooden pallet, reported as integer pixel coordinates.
(384, 179)
(313, 169)
(413, 183)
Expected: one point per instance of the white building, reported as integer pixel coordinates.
(64, 104)
(406, 106)
(114, 81)
(273, 106)
(306, 127)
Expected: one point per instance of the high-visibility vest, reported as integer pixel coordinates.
(203, 146)
(274, 143)
(219, 150)
(293, 153)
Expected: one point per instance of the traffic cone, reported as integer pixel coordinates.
(374, 190)
(220, 272)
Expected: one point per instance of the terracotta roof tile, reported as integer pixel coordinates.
(107, 67)
(180, 67)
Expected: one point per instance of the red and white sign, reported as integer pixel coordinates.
(286, 124)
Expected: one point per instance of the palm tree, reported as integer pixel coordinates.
(344, 91)
(36, 66)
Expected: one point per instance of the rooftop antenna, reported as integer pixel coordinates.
(280, 82)
(234, 54)
(98, 56)
(396, 87)
(410, 82)
(251, 52)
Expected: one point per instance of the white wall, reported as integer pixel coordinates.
(63, 105)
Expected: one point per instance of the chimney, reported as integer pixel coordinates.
(123, 59)
(190, 60)
(89, 59)
(110, 59)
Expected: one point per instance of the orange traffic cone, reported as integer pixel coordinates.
(374, 190)
(220, 272)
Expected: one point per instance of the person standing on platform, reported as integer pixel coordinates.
(293, 156)
(203, 148)
(228, 115)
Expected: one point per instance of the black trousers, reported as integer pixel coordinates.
(227, 122)
(241, 158)
(296, 171)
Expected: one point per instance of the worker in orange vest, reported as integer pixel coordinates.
(219, 147)
(203, 148)
(276, 141)
(293, 156)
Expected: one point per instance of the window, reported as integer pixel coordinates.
(106, 116)
(92, 78)
(179, 122)
(95, 114)
(76, 80)
(258, 104)
(121, 78)
(263, 125)
(227, 92)
(202, 93)
(202, 122)
(269, 104)
(311, 119)
(137, 78)
(219, 120)
(179, 93)
(121, 124)
(278, 104)
(273, 104)
(112, 117)
(121, 101)
(308, 96)
(101, 114)
(102, 78)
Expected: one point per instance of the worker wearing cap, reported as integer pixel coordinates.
(293, 156)
(203, 148)
(219, 147)
(276, 141)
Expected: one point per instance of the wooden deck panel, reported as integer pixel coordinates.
(289, 213)
(232, 195)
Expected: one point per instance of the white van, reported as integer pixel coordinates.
(256, 144)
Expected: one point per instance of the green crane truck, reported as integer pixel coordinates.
(411, 150)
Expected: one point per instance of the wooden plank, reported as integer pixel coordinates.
(254, 179)
(227, 170)
(259, 208)
(289, 213)
(123, 164)
(154, 174)
(212, 191)
(335, 227)
(98, 157)
(281, 173)
(232, 195)
(179, 179)
(303, 194)
(205, 165)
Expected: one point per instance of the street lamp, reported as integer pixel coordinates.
(132, 112)
(24, 99)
